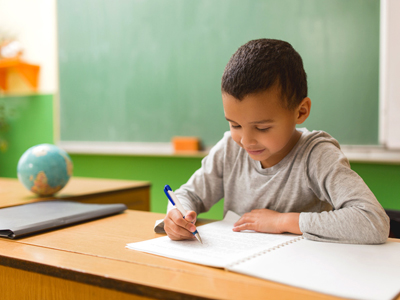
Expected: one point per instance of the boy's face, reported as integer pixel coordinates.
(262, 126)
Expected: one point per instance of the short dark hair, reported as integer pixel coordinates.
(259, 65)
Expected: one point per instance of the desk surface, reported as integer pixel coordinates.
(12, 192)
(94, 253)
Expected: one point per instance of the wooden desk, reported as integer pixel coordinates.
(134, 194)
(90, 261)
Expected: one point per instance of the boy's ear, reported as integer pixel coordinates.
(303, 110)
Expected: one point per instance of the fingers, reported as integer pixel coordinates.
(249, 221)
(177, 233)
(246, 222)
(246, 218)
(191, 216)
(245, 226)
(178, 228)
(261, 220)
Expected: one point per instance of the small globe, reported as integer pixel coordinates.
(44, 169)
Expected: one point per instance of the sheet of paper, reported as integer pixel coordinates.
(159, 226)
(221, 246)
(344, 270)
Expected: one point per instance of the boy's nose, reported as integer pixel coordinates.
(248, 140)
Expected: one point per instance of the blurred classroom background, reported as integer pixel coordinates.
(119, 79)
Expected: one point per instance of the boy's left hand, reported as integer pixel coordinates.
(269, 221)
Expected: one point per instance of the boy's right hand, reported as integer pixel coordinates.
(179, 228)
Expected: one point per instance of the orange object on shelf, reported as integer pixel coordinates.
(186, 143)
(10, 66)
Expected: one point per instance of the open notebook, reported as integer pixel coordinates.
(17, 221)
(350, 271)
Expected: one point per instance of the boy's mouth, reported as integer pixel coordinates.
(255, 152)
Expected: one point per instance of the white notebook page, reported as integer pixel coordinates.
(221, 246)
(345, 270)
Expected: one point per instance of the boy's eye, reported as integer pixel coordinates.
(264, 129)
(235, 126)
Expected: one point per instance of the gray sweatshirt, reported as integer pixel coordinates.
(314, 179)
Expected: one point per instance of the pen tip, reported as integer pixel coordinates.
(199, 238)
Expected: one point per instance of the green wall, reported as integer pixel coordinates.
(31, 122)
(158, 170)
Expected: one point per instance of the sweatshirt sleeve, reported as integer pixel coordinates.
(357, 217)
(205, 187)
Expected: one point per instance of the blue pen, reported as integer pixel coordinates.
(175, 202)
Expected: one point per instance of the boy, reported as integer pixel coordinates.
(279, 178)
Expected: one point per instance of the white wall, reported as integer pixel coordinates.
(33, 22)
(389, 86)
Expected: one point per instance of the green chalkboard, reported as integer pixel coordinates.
(147, 70)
